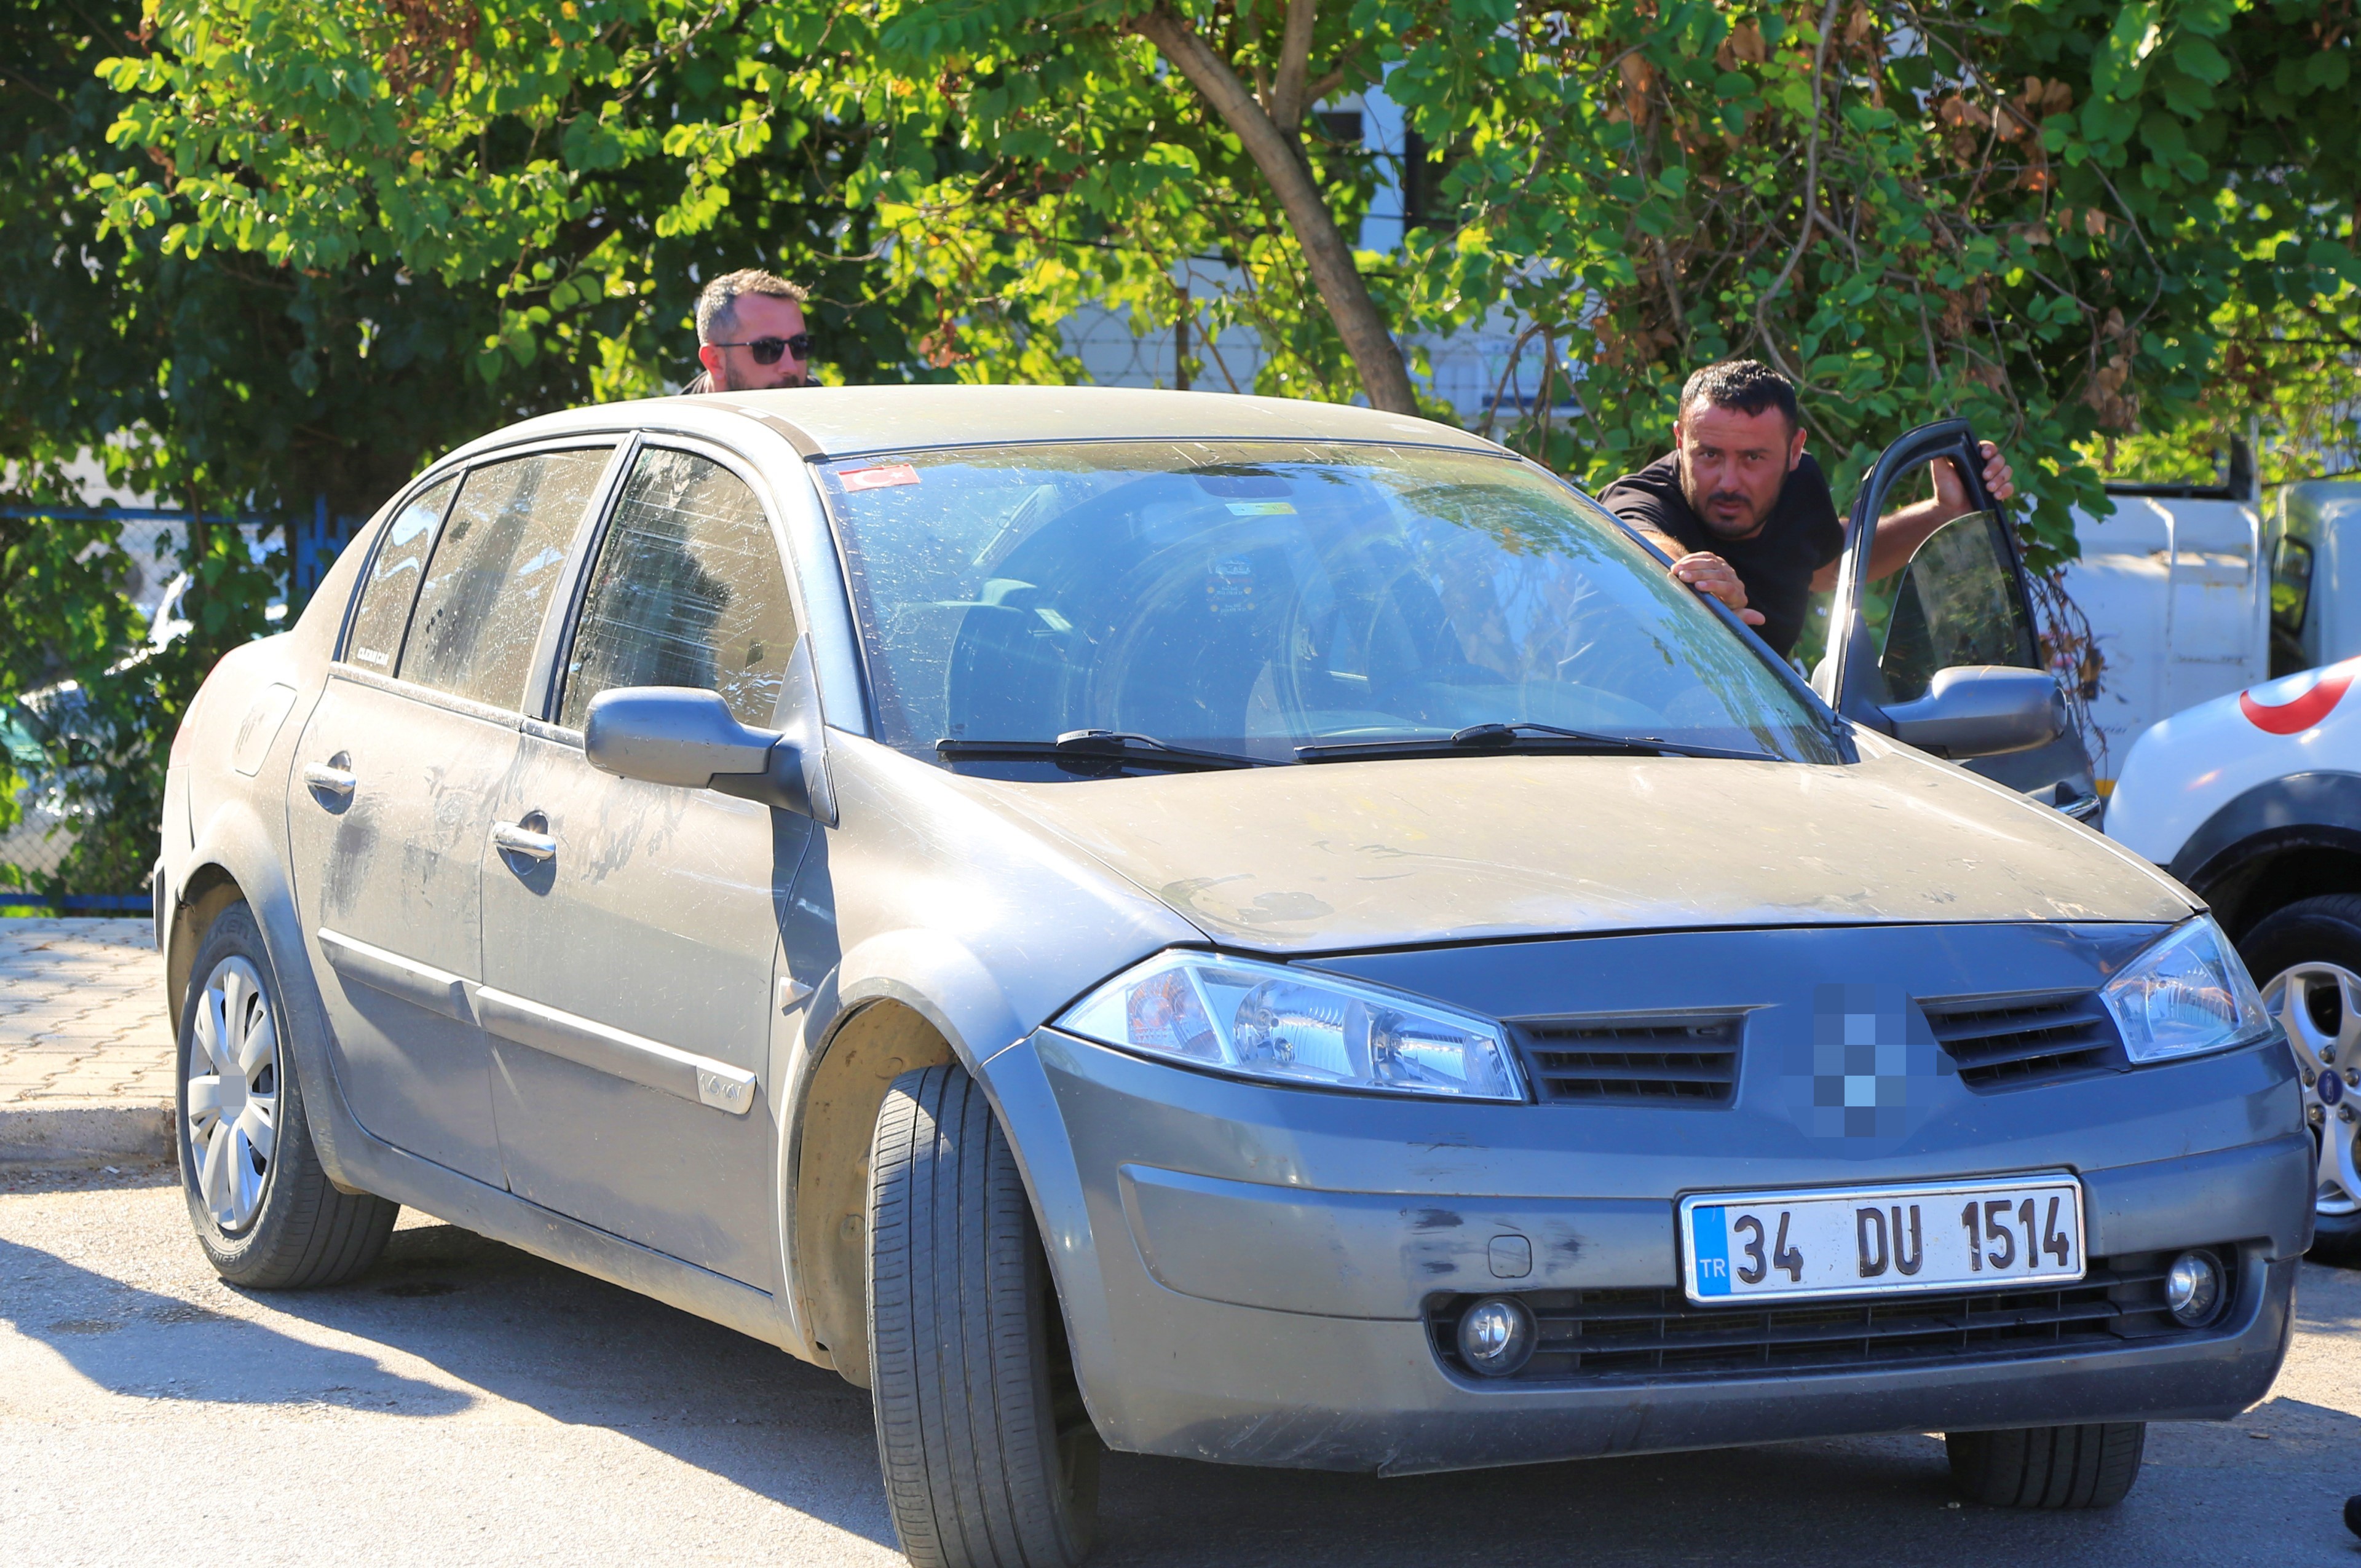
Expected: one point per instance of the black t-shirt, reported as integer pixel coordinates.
(1801, 536)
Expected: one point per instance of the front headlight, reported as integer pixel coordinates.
(1272, 1022)
(2187, 994)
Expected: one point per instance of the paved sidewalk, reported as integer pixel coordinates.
(85, 1052)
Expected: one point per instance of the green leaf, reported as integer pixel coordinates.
(2203, 61)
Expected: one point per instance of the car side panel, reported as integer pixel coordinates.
(391, 877)
(655, 917)
(241, 831)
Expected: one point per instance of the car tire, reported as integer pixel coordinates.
(989, 1459)
(2088, 1467)
(2320, 939)
(262, 1206)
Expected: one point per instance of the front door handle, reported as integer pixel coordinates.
(526, 838)
(334, 777)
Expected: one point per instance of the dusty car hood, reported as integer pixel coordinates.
(1338, 856)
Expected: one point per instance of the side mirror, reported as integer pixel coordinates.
(1980, 710)
(687, 737)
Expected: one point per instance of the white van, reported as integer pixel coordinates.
(2193, 592)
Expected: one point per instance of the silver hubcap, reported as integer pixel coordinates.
(2320, 1006)
(232, 1093)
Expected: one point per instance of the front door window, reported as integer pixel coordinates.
(687, 592)
(1956, 603)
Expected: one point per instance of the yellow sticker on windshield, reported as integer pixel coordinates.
(1262, 509)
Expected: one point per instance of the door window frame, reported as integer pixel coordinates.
(1855, 652)
(573, 590)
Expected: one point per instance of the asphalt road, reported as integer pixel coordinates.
(465, 1400)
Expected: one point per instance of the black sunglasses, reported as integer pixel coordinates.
(767, 350)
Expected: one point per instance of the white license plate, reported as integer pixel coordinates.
(1879, 1241)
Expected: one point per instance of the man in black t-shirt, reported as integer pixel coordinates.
(1746, 515)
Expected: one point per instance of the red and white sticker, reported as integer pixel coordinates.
(884, 478)
(2298, 703)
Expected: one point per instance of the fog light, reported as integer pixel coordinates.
(2192, 1290)
(1496, 1336)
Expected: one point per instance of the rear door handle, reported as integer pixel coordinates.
(523, 838)
(328, 778)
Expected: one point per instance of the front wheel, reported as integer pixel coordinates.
(2310, 951)
(262, 1205)
(990, 1460)
(2088, 1467)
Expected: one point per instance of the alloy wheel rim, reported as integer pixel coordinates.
(2320, 1006)
(231, 1095)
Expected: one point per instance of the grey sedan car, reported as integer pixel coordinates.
(1208, 927)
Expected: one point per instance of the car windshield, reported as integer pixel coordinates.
(1252, 598)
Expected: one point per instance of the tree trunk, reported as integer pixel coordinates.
(1273, 150)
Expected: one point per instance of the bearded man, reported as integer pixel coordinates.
(1745, 512)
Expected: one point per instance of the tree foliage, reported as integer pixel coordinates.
(322, 303)
(2030, 214)
(582, 164)
(256, 249)
(2066, 219)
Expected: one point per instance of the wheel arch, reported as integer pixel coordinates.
(2288, 839)
(826, 1223)
(209, 889)
(899, 1001)
(236, 858)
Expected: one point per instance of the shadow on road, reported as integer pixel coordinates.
(586, 1353)
(581, 1352)
(142, 1345)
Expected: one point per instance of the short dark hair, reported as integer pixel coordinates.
(717, 307)
(1748, 386)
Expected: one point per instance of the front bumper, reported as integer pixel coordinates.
(1245, 1270)
(1288, 1389)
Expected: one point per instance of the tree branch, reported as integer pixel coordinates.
(1294, 58)
(1811, 198)
(1326, 255)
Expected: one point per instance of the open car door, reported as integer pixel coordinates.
(1943, 654)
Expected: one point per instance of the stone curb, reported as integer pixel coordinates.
(80, 1133)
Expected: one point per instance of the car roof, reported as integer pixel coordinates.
(845, 422)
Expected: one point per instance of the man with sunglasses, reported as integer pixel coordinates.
(750, 334)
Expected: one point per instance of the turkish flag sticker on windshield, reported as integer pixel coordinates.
(882, 479)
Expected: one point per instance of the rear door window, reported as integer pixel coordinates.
(489, 580)
(688, 591)
(393, 576)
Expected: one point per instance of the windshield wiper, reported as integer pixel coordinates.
(1100, 746)
(1524, 737)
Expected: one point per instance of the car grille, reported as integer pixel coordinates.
(2006, 1042)
(1650, 1059)
(1591, 1336)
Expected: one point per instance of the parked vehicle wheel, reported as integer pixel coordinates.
(990, 1460)
(2049, 1467)
(263, 1208)
(2310, 951)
